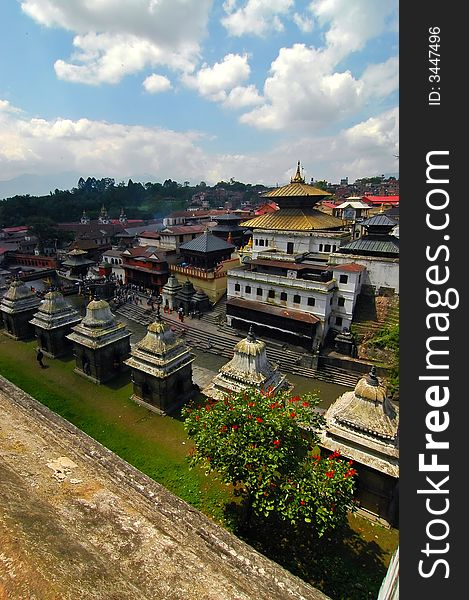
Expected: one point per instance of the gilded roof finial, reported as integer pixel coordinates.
(251, 337)
(298, 178)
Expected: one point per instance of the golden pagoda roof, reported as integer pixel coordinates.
(295, 188)
(294, 219)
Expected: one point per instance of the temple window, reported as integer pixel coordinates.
(271, 294)
(338, 320)
(343, 279)
(259, 291)
(247, 289)
(296, 299)
(289, 247)
(327, 248)
(340, 301)
(320, 247)
(237, 287)
(261, 242)
(311, 301)
(283, 296)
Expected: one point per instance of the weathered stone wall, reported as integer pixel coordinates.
(77, 522)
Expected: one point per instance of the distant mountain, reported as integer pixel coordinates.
(38, 185)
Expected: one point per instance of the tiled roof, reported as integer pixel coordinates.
(181, 229)
(382, 199)
(295, 189)
(386, 244)
(379, 220)
(349, 267)
(207, 242)
(294, 219)
(278, 311)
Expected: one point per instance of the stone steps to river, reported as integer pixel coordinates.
(221, 340)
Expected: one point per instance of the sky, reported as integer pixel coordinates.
(197, 90)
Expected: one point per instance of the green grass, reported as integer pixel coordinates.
(156, 445)
(350, 565)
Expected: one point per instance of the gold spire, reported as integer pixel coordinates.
(298, 178)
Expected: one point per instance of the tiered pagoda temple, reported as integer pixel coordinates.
(228, 228)
(161, 365)
(77, 263)
(363, 425)
(53, 322)
(17, 308)
(249, 368)
(101, 343)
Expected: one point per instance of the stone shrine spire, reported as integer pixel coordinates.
(249, 367)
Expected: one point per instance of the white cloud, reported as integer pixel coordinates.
(216, 81)
(383, 79)
(303, 22)
(351, 23)
(118, 37)
(305, 89)
(256, 17)
(241, 97)
(155, 84)
(97, 148)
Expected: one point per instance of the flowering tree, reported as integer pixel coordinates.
(267, 445)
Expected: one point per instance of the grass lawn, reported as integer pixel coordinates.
(348, 566)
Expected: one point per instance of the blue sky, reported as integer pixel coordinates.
(198, 89)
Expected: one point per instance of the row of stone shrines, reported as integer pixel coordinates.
(362, 424)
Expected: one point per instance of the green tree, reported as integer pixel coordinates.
(265, 446)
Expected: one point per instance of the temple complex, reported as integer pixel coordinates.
(249, 368)
(17, 307)
(161, 365)
(101, 343)
(285, 286)
(363, 425)
(52, 322)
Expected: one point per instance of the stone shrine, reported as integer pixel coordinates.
(17, 307)
(101, 343)
(169, 291)
(53, 321)
(161, 365)
(363, 425)
(249, 368)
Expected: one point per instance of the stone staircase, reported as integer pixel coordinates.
(366, 320)
(221, 339)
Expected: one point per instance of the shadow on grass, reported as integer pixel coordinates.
(341, 564)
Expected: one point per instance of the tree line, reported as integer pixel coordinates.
(139, 201)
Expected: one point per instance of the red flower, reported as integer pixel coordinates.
(223, 429)
(305, 404)
(302, 502)
(330, 474)
(276, 443)
(350, 462)
(197, 418)
(249, 416)
(259, 420)
(295, 399)
(251, 404)
(292, 415)
(235, 427)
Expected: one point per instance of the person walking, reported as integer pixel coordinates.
(39, 357)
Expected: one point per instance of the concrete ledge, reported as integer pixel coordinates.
(101, 529)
